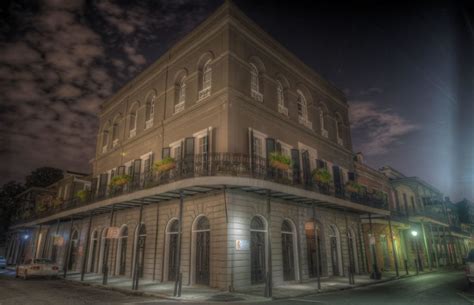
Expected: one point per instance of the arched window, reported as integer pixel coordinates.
(255, 83)
(339, 130)
(257, 250)
(150, 110)
(201, 248)
(73, 250)
(353, 251)
(141, 240)
(133, 121)
(289, 251)
(122, 251)
(207, 75)
(171, 255)
(335, 250)
(302, 106)
(93, 251)
(322, 123)
(115, 133)
(105, 140)
(180, 95)
(314, 246)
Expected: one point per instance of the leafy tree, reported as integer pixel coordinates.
(8, 193)
(43, 176)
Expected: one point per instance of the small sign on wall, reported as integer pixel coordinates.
(58, 240)
(242, 244)
(113, 232)
(372, 240)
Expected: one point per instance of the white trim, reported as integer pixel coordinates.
(202, 133)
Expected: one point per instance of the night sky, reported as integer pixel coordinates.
(407, 72)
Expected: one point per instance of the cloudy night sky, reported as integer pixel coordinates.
(406, 71)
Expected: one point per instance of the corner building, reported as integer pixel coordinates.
(219, 103)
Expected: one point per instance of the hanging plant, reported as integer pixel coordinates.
(83, 195)
(322, 176)
(165, 165)
(353, 187)
(120, 180)
(279, 161)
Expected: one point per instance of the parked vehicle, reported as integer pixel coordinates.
(469, 262)
(3, 262)
(37, 267)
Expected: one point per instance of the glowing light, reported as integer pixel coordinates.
(414, 233)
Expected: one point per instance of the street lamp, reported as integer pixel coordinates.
(418, 259)
(26, 236)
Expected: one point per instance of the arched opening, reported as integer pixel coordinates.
(353, 250)
(93, 251)
(335, 250)
(302, 105)
(102, 242)
(141, 239)
(254, 79)
(73, 250)
(202, 242)
(122, 251)
(171, 256)
(289, 250)
(313, 250)
(258, 230)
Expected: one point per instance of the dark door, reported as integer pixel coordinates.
(141, 255)
(312, 252)
(386, 257)
(93, 254)
(123, 256)
(257, 257)
(334, 256)
(72, 255)
(173, 257)
(288, 257)
(202, 257)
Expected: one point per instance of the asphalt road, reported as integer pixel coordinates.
(447, 288)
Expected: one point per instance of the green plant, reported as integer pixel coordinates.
(353, 187)
(322, 175)
(280, 161)
(120, 180)
(164, 165)
(83, 195)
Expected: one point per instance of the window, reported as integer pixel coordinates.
(281, 99)
(258, 146)
(181, 95)
(202, 145)
(133, 124)
(115, 134)
(150, 111)
(255, 84)
(105, 140)
(175, 149)
(339, 132)
(324, 131)
(206, 80)
(303, 110)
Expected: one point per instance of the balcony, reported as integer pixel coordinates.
(304, 121)
(282, 109)
(204, 93)
(430, 214)
(257, 96)
(252, 172)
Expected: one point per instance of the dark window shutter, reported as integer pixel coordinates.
(103, 184)
(112, 174)
(337, 178)
(130, 170)
(251, 150)
(270, 148)
(306, 167)
(94, 183)
(188, 156)
(351, 176)
(320, 164)
(165, 152)
(136, 167)
(278, 147)
(146, 166)
(121, 170)
(295, 158)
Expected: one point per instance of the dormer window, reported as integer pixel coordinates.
(303, 110)
(281, 99)
(255, 84)
(180, 95)
(150, 110)
(206, 81)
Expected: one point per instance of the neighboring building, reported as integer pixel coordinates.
(425, 209)
(216, 108)
(385, 233)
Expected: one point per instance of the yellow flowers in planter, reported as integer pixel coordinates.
(353, 187)
(322, 175)
(279, 161)
(165, 165)
(83, 195)
(120, 180)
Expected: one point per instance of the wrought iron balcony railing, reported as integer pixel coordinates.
(215, 164)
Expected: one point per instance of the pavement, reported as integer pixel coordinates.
(447, 288)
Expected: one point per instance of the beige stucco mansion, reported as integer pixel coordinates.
(216, 107)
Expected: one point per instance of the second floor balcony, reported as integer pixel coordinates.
(223, 168)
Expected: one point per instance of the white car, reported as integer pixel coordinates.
(37, 267)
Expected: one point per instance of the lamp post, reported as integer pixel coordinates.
(418, 259)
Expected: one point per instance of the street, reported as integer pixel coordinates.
(447, 288)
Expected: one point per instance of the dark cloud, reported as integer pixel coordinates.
(59, 60)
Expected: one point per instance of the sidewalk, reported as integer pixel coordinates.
(253, 293)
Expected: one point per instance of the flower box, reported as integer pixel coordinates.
(121, 180)
(279, 161)
(165, 165)
(322, 176)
